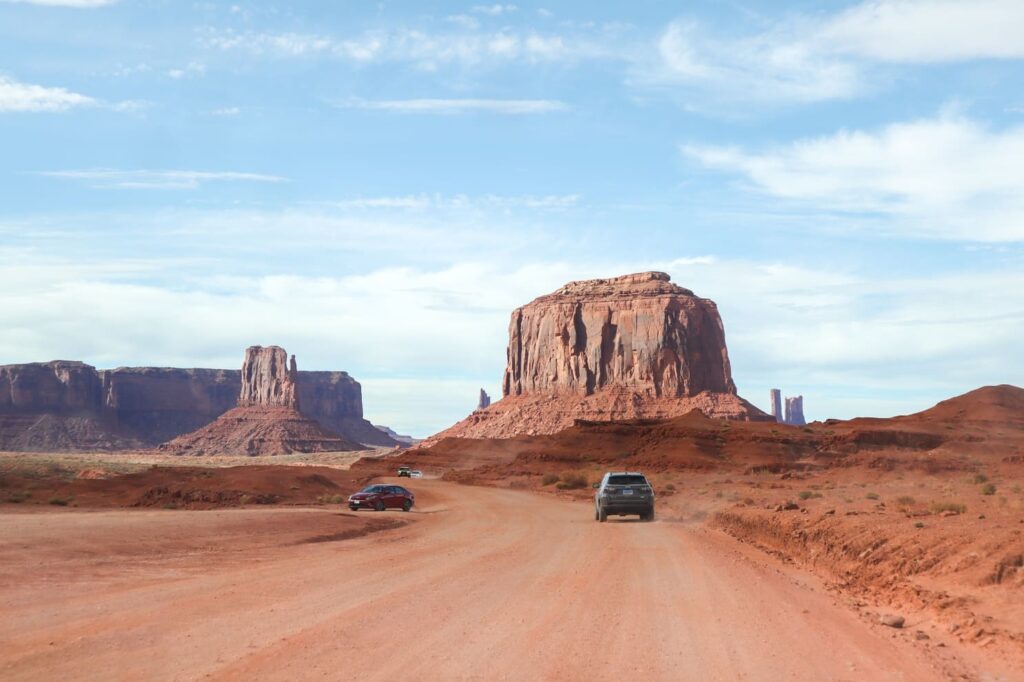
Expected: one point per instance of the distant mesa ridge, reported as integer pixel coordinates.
(69, 405)
(635, 346)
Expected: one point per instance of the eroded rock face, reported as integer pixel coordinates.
(639, 332)
(268, 378)
(632, 347)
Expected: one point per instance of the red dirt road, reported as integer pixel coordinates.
(483, 584)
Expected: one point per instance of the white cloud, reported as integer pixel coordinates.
(946, 177)
(464, 20)
(226, 111)
(760, 67)
(422, 49)
(454, 106)
(804, 58)
(16, 96)
(494, 10)
(110, 178)
(192, 69)
(420, 202)
(924, 31)
(80, 4)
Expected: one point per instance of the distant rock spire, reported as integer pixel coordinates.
(485, 400)
(795, 411)
(777, 405)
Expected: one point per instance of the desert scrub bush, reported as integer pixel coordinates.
(919, 524)
(336, 499)
(670, 487)
(809, 494)
(905, 501)
(572, 482)
(1016, 489)
(549, 479)
(59, 501)
(872, 496)
(955, 507)
(18, 498)
(245, 499)
(980, 478)
(988, 489)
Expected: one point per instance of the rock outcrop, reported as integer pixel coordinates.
(267, 420)
(484, 402)
(795, 411)
(65, 405)
(629, 347)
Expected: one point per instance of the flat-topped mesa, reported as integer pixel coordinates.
(632, 347)
(639, 332)
(650, 283)
(268, 378)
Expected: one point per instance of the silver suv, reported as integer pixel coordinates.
(624, 492)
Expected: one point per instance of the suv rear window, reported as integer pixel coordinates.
(627, 479)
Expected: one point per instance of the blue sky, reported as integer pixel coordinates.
(376, 186)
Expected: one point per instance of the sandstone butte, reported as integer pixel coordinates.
(630, 347)
(267, 420)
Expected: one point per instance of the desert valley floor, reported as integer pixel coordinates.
(476, 583)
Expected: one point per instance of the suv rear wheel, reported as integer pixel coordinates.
(602, 516)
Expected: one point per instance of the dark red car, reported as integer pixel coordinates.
(380, 497)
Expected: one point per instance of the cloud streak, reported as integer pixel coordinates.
(77, 4)
(458, 106)
(110, 178)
